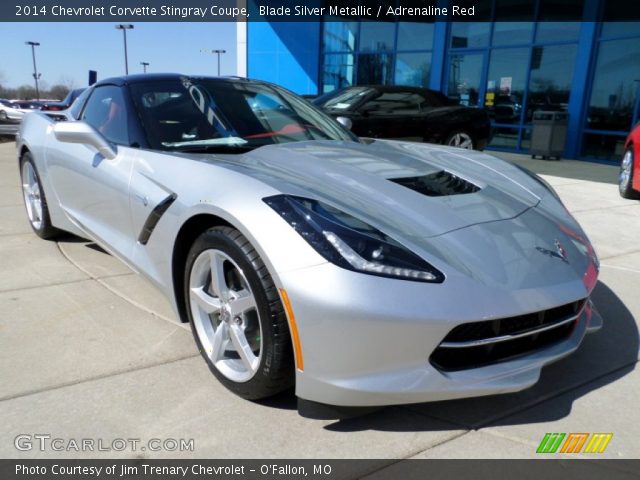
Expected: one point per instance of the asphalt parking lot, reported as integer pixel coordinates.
(88, 349)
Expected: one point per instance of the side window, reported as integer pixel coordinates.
(76, 106)
(395, 103)
(105, 111)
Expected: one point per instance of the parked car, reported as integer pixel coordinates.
(629, 179)
(301, 254)
(64, 104)
(8, 111)
(27, 104)
(408, 113)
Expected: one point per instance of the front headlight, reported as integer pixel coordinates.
(350, 243)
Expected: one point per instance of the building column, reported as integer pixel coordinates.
(580, 85)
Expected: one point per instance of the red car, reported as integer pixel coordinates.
(629, 180)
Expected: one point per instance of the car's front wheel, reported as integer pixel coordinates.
(625, 180)
(460, 139)
(236, 315)
(35, 200)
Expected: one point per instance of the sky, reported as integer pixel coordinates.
(68, 51)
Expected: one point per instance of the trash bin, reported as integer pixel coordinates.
(549, 134)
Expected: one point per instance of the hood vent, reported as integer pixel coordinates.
(438, 184)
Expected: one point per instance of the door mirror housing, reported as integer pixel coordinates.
(82, 132)
(345, 122)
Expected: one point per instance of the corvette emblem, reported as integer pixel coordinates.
(560, 252)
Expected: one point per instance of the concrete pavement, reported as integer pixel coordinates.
(89, 349)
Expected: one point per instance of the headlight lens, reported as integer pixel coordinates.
(350, 243)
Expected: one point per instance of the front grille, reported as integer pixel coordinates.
(477, 344)
(438, 184)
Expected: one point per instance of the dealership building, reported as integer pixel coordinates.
(533, 55)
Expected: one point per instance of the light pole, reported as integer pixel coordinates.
(217, 52)
(124, 28)
(144, 65)
(36, 75)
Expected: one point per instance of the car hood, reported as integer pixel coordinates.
(374, 181)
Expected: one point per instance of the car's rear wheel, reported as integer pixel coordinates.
(35, 200)
(236, 315)
(460, 139)
(625, 180)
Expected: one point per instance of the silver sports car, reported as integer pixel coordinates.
(364, 272)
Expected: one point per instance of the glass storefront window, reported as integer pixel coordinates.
(339, 36)
(375, 68)
(377, 36)
(557, 31)
(557, 20)
(608, 147)
(338, 70)
(620, 29)
(615, 85)
(506, 84)
(550, 79)
(415, 36)
(413, 69)
(467, 34)
(514, 22)
(512, 33)
(465, 72)
(504, 137)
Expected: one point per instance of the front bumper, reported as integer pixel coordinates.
(366, 340)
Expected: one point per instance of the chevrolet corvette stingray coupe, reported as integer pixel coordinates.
(364, 272)
(629, 179)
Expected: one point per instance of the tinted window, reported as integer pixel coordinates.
(396, 103)
(105, 111)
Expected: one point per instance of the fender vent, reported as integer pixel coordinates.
(438, 184)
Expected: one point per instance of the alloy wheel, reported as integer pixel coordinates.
(225, 315)
(625, 170)
(461, 140)
(31, 192)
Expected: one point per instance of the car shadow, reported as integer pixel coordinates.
(603, 358)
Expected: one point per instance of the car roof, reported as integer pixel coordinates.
(146, 77)
(394, 88)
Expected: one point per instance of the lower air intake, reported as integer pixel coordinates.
(478, 344)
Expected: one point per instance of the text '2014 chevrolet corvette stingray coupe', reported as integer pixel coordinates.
(365, 272)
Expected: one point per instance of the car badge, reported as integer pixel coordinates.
(559, 252)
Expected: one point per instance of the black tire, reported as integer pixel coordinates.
(44, 229)
(275, 372)
(454, 139)
(626, 188)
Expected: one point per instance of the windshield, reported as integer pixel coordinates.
(342, 99)
(226, 115)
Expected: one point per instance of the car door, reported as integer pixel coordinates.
(92, 190)
(389, 115)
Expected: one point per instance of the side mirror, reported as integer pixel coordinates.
(345, 122)
(81, 132)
